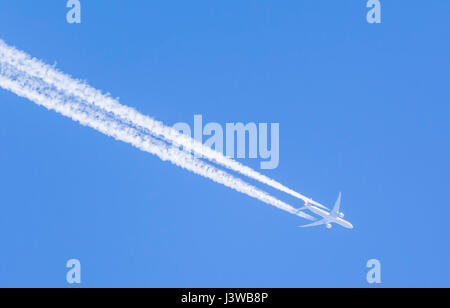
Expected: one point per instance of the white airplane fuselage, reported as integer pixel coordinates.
(330, 219)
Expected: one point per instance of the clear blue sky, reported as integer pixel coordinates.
(363, 109)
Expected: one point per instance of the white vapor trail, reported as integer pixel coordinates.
(72, 87)
(18, 80)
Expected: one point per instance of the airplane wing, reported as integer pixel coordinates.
(317, 223)
(337, 206)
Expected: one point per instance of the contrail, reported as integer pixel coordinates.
(52, 98)
(63, 82)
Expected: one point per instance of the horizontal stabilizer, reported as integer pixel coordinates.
(304, 215)
(317, 204)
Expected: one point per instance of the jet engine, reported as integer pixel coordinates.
(341, 215)
(329, 226)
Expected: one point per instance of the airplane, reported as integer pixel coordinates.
(335, 216)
